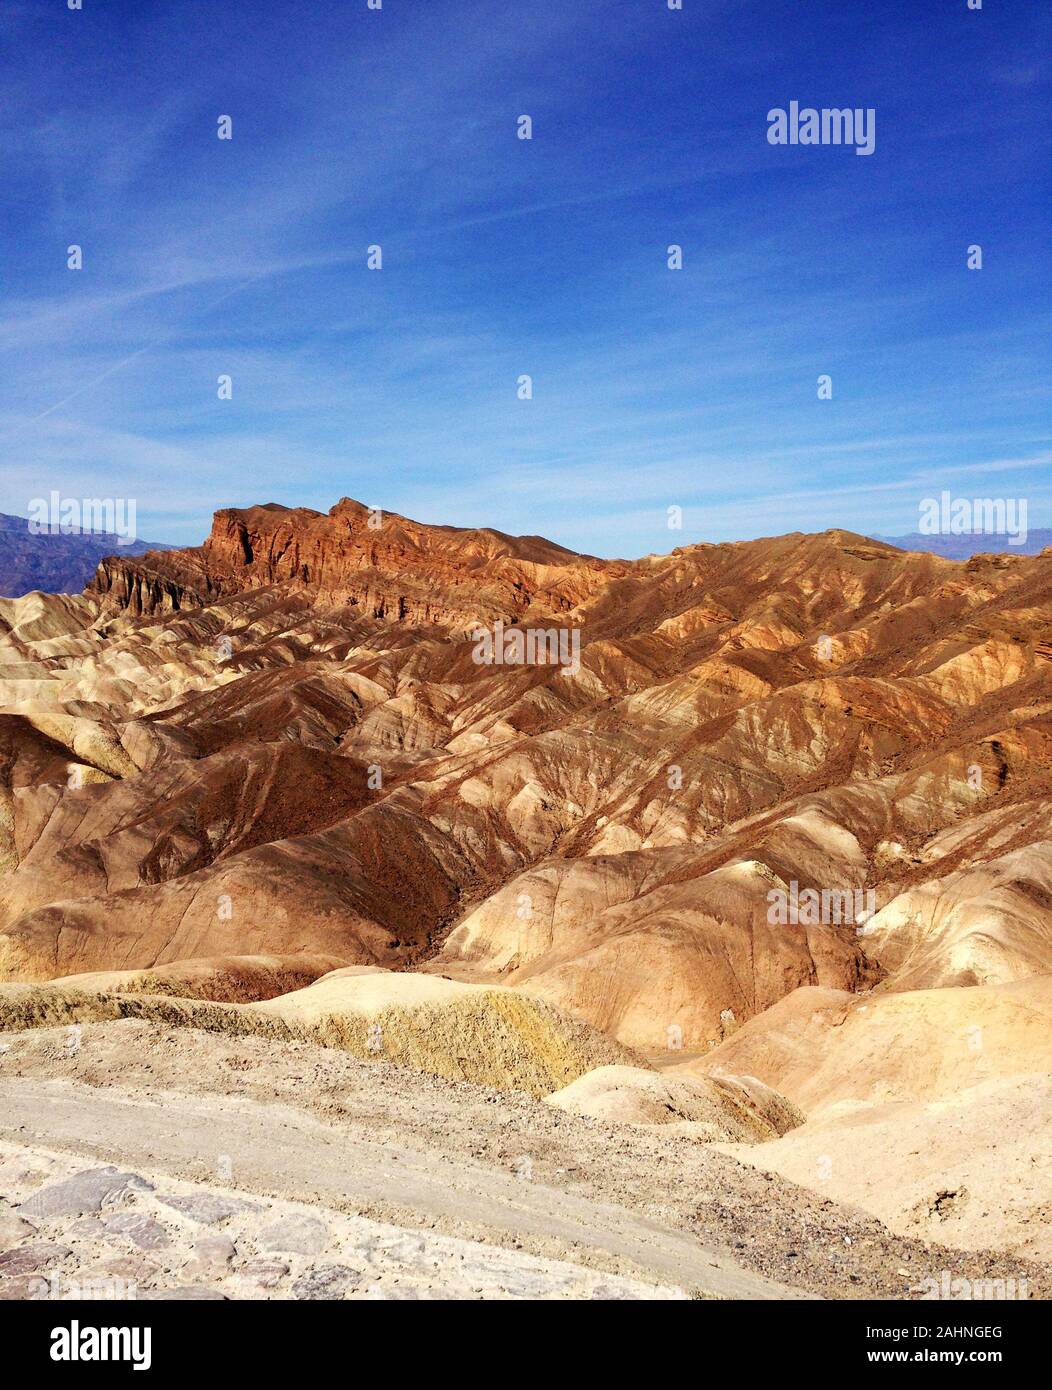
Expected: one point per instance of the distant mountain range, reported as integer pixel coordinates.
(53, 561)
(963, 547)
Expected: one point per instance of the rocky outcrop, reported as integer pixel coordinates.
(138, 588)
(384, 565)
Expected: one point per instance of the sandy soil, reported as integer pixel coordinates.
(549, 1204)
(974, 1171)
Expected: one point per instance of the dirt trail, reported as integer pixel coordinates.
(278, 1151)
(311, 1125)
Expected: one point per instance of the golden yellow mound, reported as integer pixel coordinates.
(485, 1034)
(489, 1036)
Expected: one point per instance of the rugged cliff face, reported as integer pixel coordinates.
(389, 568)
(154, 583)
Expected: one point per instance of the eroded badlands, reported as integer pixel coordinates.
(260, 794)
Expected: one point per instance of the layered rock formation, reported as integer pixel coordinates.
(387, 567)
(280, 743)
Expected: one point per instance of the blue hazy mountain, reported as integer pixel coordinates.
(964, 546)
(57, 562)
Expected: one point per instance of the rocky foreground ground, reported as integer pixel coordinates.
(175, 1163)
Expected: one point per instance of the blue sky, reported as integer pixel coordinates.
(652, 387)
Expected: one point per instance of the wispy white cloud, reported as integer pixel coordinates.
(501, 258)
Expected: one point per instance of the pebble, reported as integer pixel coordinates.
(264, 1272)
(13, 1229)
(209, 1255)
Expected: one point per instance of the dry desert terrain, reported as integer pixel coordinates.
(336, 962)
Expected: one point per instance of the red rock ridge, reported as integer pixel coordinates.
(398, 569)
